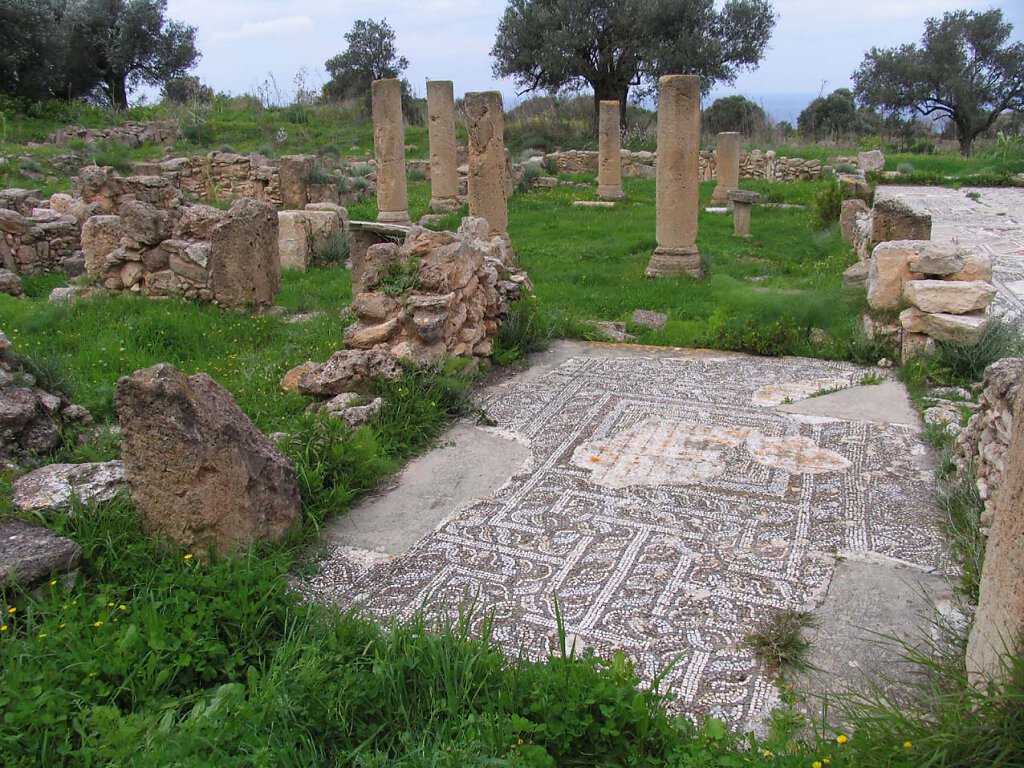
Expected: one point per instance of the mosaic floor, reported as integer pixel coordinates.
(993, 221)
(670, 507)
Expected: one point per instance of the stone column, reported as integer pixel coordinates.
(444, 173)
(609, 158)
(742, 201)
(485, 121)
(727, 166)
(389, 150)
(677, 176)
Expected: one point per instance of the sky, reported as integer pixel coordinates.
(815, 47)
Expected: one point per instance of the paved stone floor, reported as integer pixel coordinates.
(993, 221)
(670, 505)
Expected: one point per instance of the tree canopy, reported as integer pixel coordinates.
(734, 113)
(965, 69)
(835, 115)
(90, 48)
(371, 55)
(615, 45)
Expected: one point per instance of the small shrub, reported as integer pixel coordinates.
(779, 642)
(827, 205)
(318, 175)
(758, 336)
(333, 252)
(905, 168)
(267, 150)
(531, 171)
(329, 150)
(416, 174)
(114, 154)
(400, 278)
(525, 329)
(200, 134)
(846, 168)
(964, 364)
(226, 148)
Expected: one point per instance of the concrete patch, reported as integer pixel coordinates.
(885, 403)
(471, 464)
(871, 601)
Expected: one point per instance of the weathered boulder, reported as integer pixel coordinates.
(54, 486)
(11, 284)
(349, 370)
(960, 329)
(871, 161)
(294, 240)
(938, 260)
(244, 268)
(893, 219)
(143, 224)
(849, 212)
(649, 319)
(198, 470)
(30, 556)
(857, 274)
(952, 296)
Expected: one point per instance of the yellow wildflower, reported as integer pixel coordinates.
(3, 627)
(12, 609)
(53, 583)
(816, 764)
(97, 623)
(841, 738)
(42, 635)
(188, 556)
(907, 744)
(121, 607)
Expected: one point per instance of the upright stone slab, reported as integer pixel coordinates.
(244, 267)
(198, 470)
(485, 121)
(389, 151)
(444, 171)
(609, 160)
(678, 174)
(727, 166)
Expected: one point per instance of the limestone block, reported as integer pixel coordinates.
(143, 223)
(938, 260)
(893, 219)
(54, 486)
(350, 370)
(100, 236)
(244, 267)
(889, 271)
(960, 329)
(848, 217)
(871, 161)
(294, 240)
(950, 296)
(977, 266)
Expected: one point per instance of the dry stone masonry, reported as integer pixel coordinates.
(389, 151)
(609, 168)
(131, 134)
(303, 235)
(677, 179)
(444, 171)
(35, 236)
(485, 122)
(994, 442)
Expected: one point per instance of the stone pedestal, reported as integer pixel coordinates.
(389, 151)
(742, 201)
(485, 121)
(727, 166)
(609, 161)
(677, 177)
(444, 173)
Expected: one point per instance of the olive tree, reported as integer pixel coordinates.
(965, 69)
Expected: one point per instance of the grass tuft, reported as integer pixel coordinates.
(779, 642)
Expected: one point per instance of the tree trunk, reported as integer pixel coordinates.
(117, 90)
(610, 92)
(965, 140)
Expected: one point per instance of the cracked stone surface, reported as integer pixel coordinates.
(993, 222)
(670, 505)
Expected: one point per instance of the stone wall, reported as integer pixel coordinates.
(131, 134)
(145, 240)
(754, 166)
(291, 182)
(37, 239)
(983, 444)
(436, 294)
(994, 442)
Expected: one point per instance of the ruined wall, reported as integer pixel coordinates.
(34, 238)
(131, 134)
(754, 166)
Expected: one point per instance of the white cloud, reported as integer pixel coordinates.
(272, 27)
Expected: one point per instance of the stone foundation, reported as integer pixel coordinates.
(754, 165)
(131, 134)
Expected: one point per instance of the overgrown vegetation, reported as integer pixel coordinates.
(780, 643)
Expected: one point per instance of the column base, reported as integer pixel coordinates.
(445, 204)
(394, 217)
(610, 193)
(720, 196)
(671, 262)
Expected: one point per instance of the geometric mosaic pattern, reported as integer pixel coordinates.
(991, 221)
(675, 568)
